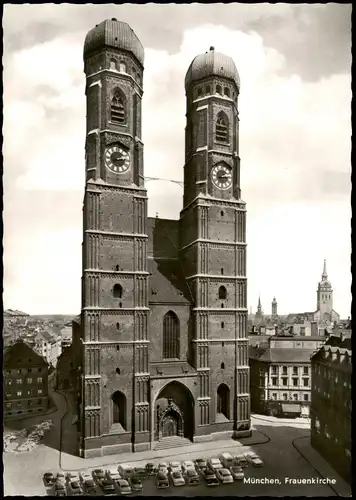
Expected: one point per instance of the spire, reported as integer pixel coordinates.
(259, 307)
(324, 276)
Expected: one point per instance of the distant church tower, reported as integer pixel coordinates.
(325, 298)
(274, 307)
(259, 312)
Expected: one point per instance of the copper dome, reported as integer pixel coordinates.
(211, 63)
(113, 33)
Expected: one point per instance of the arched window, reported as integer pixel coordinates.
(117, 291)
(200, 92)
(119, 409)
(118, 371)
(222, 324)
(223, 400)
(117, 268)
(222, 271)
(222, 366)
(222, 128)
(222, 293)
(222, 306)
(112, 64)
(117, 109)
(222, 213)
(208, 89)
(122, 67)
(118, 326)
(171, 336)
(218, 89)
(227, 91)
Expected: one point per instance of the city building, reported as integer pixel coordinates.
(331, 403)
(280, 374)
(274, 308)
(162, 348)
(25, 381)
(259, 318)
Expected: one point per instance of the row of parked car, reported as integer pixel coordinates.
(125, 480)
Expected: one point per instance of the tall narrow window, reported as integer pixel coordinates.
(122, 67)
(117, 109)
(208, 90)
(171, 336)
(222, 128)
(117, 291)
(223, 400)
(222, 293)
(112, 64)
(218, 89)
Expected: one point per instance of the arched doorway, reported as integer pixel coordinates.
(174, 412)
(119, 410)
(223, 400)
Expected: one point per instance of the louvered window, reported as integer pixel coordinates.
(222, 129)
(117, 109)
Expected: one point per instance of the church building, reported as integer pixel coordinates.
(161, 348)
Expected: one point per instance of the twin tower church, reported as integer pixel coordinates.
(161, 346)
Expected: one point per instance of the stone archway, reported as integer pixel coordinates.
(174, 412)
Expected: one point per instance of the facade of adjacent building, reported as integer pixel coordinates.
(331, 403)
(163, 348)
(25, 381)
(280, 375)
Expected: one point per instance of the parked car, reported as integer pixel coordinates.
(60, 477)
(162, 467)
(162, 480)
(141, 472)
(210, 477)
(200, 463)
(241, 460)
(224, 475)
(122, 487)
(48, 479)
(226, 459)
(72, 476)
(177, 478)
(98, 475)
(108, 486)
(175, 466)
(192, 477)
(112, 473)
(187, 465)
(125, 471)
(59, 489)
(254, 460)
(215, 464)
(135, 483)
(237, 472)
(85, 476)
(74, 488)
(89, 487)
(150, 468)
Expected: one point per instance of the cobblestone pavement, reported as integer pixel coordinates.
(272, 440)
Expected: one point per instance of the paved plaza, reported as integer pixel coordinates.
(282, 444)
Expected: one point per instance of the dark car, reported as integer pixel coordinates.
(59, 489)
(150, 469)
(162, 480)
(135, 483)
(98, 475)
(89, 487)
(48, 479)
(141, 472)
(75, 488)
(200, 464)
(192, 477)
(210, 478)
(108, 487)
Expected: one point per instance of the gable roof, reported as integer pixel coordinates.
(20, 354)
(281, 355)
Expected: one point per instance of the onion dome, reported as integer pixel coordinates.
(116, 34)
(211, 63)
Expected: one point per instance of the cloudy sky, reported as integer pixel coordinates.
(294, 63)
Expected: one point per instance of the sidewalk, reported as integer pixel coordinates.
(322, 466)
(71, 463)
(290, 421)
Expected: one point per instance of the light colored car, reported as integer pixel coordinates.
(60, 477)
(200, 464)
(188, 465)
(255, 460)
(237, 472)
(162, 467)
(123, 487)
(59, 490)
(72, 476)
(175, 466)
(162, 480)
(98, 475)
(215, 464)
(112, 473)
(125, 471)
(85, 476)
(177, 478)
(226, 459)
(224, 475)
(241, 460)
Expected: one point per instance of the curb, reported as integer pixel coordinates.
(280, 420)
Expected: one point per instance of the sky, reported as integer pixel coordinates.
(295, 140)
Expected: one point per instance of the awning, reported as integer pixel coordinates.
(291, 408)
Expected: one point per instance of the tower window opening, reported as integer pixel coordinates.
(118, 326)
(222, 366)
(227, 91)
(222, 128)
(120, 305)
(200, 92)
(208, 89)
(112, 64)
(118, 371)
(222, 213)
(218, 89)
(117, 291)
(222, 270)
(122, 66)
(222, 306)
(117, 109)
(118, 348)
(222, 324)
(222, 293)
(117, 267)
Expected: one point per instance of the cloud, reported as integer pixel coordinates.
(294, 145)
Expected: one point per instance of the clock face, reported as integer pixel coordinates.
(117, 159)
(221, 176)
